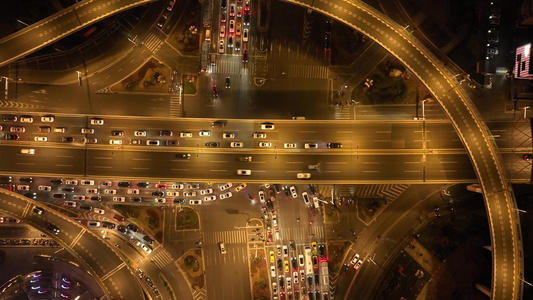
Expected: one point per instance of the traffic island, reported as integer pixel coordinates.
(336, 252)
(144, 216)
(331, 213)
(259, 274)
(187, 219)
(189, 84)
(369, 208)
(185, 37)
(152, 77)
(191, 264)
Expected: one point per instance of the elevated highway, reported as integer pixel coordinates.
(59, 25)
(507, 252)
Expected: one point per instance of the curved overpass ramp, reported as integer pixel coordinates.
(107, 267)
(59, 25)
(504, 224)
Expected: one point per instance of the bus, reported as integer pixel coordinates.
(204, 57)
(308, 261)
(325, 276)
(206, 13)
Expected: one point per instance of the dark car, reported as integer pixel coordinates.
(277, 188)
(311, 189)
(215, 91)
(122, 229)
(228, 82)
(68, 189)
(328, 27)
(31, 195)
(183, 155)
(180, 201)
(311, 295)
(133, 228)
(219, 123)
(59, 196)
(158, 194)
(26, 179)
(280, 264)
(245, 56)
(136, 199)
(10, 118)
(334, 145)
(212, 144)
(52, 227)
(57, 181)
(327, 43)
(85, 207)
(172, 143)
(117, 133)
(292, 245)
(143, 184)
(148, 239)
(281, 282)
(12, 136)
(108, 225)
(6, 179)
(294, 263)
(269, 204)
(165, 133)
(321, 250)
(310, 280)
(527, 157)
(67, 139)
(316, 279)
(96, 198)
(124, 184)
(245, 158)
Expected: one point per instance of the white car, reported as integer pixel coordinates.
(184, 134)
(303, 175)
(173, 194)
(87, 130)
(115, 142)
(227, 135)
(133, 192)
(354, 260)
(262, 196)
(27, 151)
(289, 145)
(87, 182)
(178, 186)
(245, 35)
(295, 277)
(244, 172)
(259, 135)
(205, 192)
(195, 202)
(311, 146)
(274, 219)
(160, 200)
(265, 144)
(210, 198)
(358, 264)
(46, 188)
(226, 186)
(205, 133)
(48, 119)
(267, 126)
(189, 194)
(146, 248)
(225, 195)
(236, 144)
(23, 187)
(91, 191)
(306, 198)
(26, 119)
(119, 199)
(94, 224)
(272, 271)
(40, 139)
(78, 197)
(301, 260)
(71, 182)
(99, 211)
(293, 191)
(97, 121)
(110, 192)
(139, 133)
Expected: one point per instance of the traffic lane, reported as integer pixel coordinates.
(454, 167)
(46, 160)
(442, 136)
(228, 275)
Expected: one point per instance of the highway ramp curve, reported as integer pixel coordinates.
(507, 252)
(114, 276)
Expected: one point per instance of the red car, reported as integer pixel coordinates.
(160, 186)
(118, 218)
(245, 56)
(215, 91)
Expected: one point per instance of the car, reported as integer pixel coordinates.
(160, 186)
(91, 191)
(286, 264)
(115, 142)
(230, 41)
(288, 279)
(87, 130)
(133, 227)
(96, 198)
(223, 17)
(245, 35)
(327, 43)
(135, 142)
(259, 135)
(106, 183)
(165, 133)
(60, 129)
(215, 91)
(267, 126)
(210, 198)
(152, 143)
(227, 135)
(293, 191)
(244, 172)
(241, 186)
(303, 175)
(99, 211)
(307, 201)
(492, 51)
(26, 179)
(26, 119)
(221, 247)
(212, 144)
(133, 192)
(228, 82)
(195, 202)
(272, 257)
(205, 133)
(289, 145)
(160, 200)
(238, 29)
(232, 10)
(38, 210)
(285, 251)
(67, 139)
(97, 121)
(52, 227)
(10, 118)
(225, 195)
(146, 248)
(226, 186)
(239, 11)
(117, 133)
(189, 194)
(42, 129)
(178, 186)
(354, 259)
(119, 199)
(274, 219)
(311, 146)
(90, 140)
(223, 31)
(23, 187)
(110, 192)
(27, 151)
(527, 157)
(13, 137)
(219, 124)
(46, 188)
(231, 26)
(247, 5)
(139, 133)
(245, 56)
(47, 119)
(170, 5)
(70, 203)
(17, 129)
(334, 145)
(245, 158)
(236, 144)
(207, 191)
(172, 194)
(321, 250)
(358, 264)
(185, 134)
(87, 182)
(158, 194)
(314, 247)
(261, 196)
(183, 155)
(272, 271)
(301, 260)
(315, 263)
(265, 144)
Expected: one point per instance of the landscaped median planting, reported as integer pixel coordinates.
(259, 274)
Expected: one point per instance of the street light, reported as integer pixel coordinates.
(79, 77)
(423, 109)
(525, 111)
